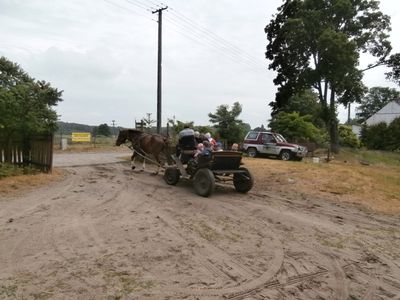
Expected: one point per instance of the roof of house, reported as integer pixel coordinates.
(386, 114)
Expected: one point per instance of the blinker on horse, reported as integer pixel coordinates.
(144, 144)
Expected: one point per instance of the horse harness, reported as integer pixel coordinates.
(135, 147)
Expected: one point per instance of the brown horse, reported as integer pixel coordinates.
(145, 144)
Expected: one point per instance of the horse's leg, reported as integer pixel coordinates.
(144, 164)
(158, 163)
(133, 157)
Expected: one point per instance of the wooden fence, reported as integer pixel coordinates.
(36, 151)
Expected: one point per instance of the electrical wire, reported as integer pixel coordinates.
(129, 10)
(212, 35)
(199, 39)
(199, 34)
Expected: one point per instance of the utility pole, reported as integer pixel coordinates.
(348, 114)
(113, 126)
(159, 11)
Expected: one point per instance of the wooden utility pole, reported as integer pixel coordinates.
(348, 114)
(159, 11)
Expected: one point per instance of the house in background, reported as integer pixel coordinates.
(386, 114)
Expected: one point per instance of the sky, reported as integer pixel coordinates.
(103, 55)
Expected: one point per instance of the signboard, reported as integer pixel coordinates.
(81, 137)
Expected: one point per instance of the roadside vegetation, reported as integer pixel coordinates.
(7, 170)
(367, 178)
(14, 181)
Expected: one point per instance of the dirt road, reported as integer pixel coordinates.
(106, 232)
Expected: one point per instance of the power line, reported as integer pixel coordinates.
(200, 34)
(139, 4)
(212, 35)
(225, 52)
(130, 10)
(199, 39)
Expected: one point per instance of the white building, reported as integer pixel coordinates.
(386, 114)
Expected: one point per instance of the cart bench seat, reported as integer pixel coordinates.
(221, 160)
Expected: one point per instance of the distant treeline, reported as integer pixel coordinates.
(66, 128)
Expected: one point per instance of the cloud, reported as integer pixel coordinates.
(103, 54)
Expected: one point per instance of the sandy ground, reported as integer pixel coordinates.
(106, 232)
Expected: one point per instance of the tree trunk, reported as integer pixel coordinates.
(329, 115)
(333, 125)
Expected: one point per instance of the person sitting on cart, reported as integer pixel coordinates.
(201, 158)
(200, 149)
(186, 142)
(207, 150)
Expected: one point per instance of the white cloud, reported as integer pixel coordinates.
(103, 54)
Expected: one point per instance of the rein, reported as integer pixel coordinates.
(146, 156)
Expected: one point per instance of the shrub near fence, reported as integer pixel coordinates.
(37, 151)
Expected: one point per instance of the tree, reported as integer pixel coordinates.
(103, 129)
(382, 136)
(347, 137)
(316, 44)
(393, 135)
(374, 137)
(148, 121)
(376, 98)
(177, 125)
(296, 128)
(305, 103)
(226, 123)
(25, 103)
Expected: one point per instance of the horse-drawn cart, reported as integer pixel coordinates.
(204, 172)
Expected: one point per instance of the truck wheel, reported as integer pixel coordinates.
(171, 175)
(204, 182)
(285, 155)
(252, 152)
(244, 181)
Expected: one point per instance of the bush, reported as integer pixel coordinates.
(347, 137)
(374, 137)
(382, 136)
(296, 128)
(393, 135)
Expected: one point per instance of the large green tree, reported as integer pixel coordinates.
(25, 104)
(227, 124)
(317, 43)
(296, 128)
(374, 100)
(305, 103)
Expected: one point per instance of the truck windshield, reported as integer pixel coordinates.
(280, 138)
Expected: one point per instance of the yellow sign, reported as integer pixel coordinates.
(81, 136)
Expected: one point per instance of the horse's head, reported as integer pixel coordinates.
(122, 136)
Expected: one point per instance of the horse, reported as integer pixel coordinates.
(145, 144)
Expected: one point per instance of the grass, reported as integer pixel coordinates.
(369, 156)
(202, 229)
(23, 182)
(7, 170)
(376, 186)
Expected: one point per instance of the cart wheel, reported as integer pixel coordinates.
(204, 182)
(171, 175)
(243, 181)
